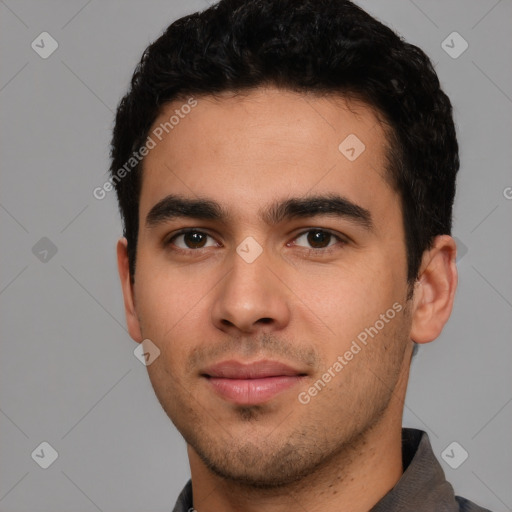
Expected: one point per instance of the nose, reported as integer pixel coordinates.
(250, 297)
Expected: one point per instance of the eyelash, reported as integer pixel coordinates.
(325, 251)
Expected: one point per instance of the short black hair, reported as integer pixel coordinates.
(318, 46)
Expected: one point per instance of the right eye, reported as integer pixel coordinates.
(190, 240)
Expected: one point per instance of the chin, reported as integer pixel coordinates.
(259, 466)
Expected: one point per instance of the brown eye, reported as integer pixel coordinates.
(194, 239)
(190, 240)
(317, 239)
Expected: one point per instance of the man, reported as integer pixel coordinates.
(286, 172)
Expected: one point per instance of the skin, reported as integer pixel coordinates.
(298, 302)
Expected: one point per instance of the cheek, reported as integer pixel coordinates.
(165, 300)
(350, 293)
(172, 316)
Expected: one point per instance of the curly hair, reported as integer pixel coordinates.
(322, 46)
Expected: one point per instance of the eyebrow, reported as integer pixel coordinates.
(175, 206)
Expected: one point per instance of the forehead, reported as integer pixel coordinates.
(245, 148)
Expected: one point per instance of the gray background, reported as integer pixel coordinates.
(68, 373)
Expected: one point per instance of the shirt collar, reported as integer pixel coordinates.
(422, 486)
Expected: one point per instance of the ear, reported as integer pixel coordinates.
(132, 319)
(434, 290)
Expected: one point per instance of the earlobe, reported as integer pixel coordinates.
(127, 287)
(434, 290)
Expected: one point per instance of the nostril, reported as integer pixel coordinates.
(265, 320)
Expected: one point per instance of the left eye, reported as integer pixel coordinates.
(318, 238)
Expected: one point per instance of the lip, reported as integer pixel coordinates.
(251, 383)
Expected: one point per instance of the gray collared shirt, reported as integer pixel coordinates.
(422, 487)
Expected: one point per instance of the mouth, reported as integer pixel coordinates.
(253, 383)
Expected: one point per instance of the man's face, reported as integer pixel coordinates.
(296, 288)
